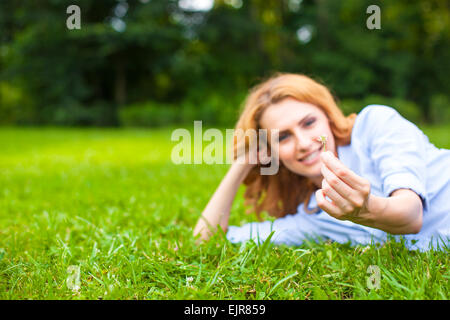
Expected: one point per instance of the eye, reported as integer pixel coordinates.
(283, 136)
(309, 122)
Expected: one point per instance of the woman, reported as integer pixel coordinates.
(380, 174)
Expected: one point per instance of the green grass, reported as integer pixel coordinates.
(112, 203)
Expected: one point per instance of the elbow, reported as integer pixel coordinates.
(201, 234)
(200, 238)
(417, 224)
(412, 223)
(414, 213)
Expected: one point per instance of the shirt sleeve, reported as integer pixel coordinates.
(397, 148)
(290, 230)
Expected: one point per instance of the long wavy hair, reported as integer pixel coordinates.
(282, 193)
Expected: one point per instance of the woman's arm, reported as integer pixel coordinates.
(217, 211)
(401, 213)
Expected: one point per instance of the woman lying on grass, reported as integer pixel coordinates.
(380, 174)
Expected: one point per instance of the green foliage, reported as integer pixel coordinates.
(93, 198)
(98, 113)
(212, 109)
(407, 109)
(149, 114)
(440, 109)
(15, 106)
(194, 60)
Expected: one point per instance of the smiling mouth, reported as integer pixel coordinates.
(311, 156)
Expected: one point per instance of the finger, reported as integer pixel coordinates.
(263, 156)
(326, 205)
(254, 152)
(337, 184)
(344, 173)
(337, 199)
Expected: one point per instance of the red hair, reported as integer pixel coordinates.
(281, 194)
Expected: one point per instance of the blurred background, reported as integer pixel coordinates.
(162, 62)
(86, 118)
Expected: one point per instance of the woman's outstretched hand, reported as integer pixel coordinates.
(400, 213)
(350, 193)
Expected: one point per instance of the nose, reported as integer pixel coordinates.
(303, 142)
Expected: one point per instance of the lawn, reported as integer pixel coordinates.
(110, 203)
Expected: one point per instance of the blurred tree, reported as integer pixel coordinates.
(130, 52)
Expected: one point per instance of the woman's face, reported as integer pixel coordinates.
(300, 124)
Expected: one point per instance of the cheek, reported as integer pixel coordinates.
(286, 152)
(325, 129)
(330, 140)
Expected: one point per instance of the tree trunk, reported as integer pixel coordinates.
(120, 85)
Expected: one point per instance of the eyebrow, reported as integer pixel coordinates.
(300, 122)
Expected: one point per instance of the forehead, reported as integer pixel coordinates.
(287, 113)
